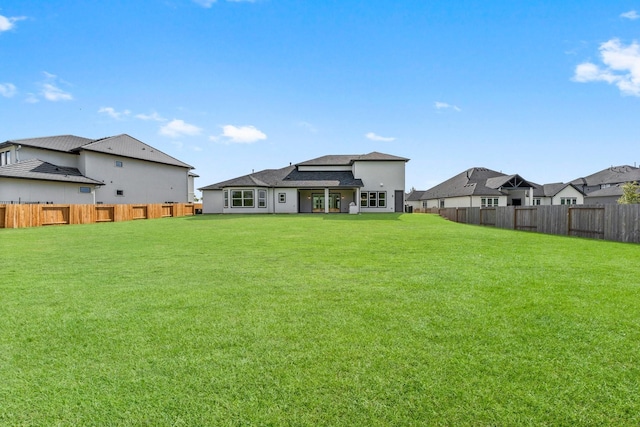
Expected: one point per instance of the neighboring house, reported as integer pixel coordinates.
(556, 194)
(413, 199)
(73, 170)
(482, 187)
(371, 182)
(606, 186)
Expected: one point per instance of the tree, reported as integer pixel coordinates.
(630, 194)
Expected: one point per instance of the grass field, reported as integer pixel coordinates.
(309, 320)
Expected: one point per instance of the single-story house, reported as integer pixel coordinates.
(371, 182)
(413, 199)
(482, 187)
(70, 169)
(605, 186)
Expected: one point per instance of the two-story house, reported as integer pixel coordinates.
(70, 169)
(371, 182)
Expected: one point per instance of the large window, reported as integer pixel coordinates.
(490, 202)
(373, 199)
(262, 198)
(568, 201)
(242, 198)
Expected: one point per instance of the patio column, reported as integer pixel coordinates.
(326, 200)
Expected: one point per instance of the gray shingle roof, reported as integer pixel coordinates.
(127, 146)
(320, 179)
(37, 169)
(614, 190)
(612, 175)
(414, 196)
(119, 145)
(550, 190)
(265, 178)
(66, 143)
(348, 159)
(471, 182)
(290, 177)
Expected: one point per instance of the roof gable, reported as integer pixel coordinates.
(471, 182)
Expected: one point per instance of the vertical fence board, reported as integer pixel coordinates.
(614, 222)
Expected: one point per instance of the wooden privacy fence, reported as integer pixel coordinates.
(620, 223)
(21, 216)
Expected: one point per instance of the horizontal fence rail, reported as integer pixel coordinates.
(37, 215)
(620, 223)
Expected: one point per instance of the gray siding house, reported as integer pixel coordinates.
(70, 169)
(605, 186)
(371, 182)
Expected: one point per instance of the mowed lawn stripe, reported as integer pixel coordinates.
(316, 320)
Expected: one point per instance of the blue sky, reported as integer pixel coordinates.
(546, 89)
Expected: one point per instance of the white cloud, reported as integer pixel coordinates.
(8, 23)
(444, 106)
(177, 128)
(240, 135)
(7, 90)
(372, 136)
(32, 98)
(621, 67)
(153, 116)
(113, 113)
(208, 3)
(53, 93)
(632, 14)
(308, 126)
(205, 3)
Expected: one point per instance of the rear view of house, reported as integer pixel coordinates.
(371, 182)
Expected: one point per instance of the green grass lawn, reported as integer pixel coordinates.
(307, 320)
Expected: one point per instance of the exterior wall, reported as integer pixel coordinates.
(212, 201)
(568, 192)
(290, 204)
(54, 157)
(388, 176)
(601, 200)
(415, 204)
(191, 189)
(29, 191)
(141, 181)
(464, 201)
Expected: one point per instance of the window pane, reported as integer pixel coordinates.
(363, 199)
